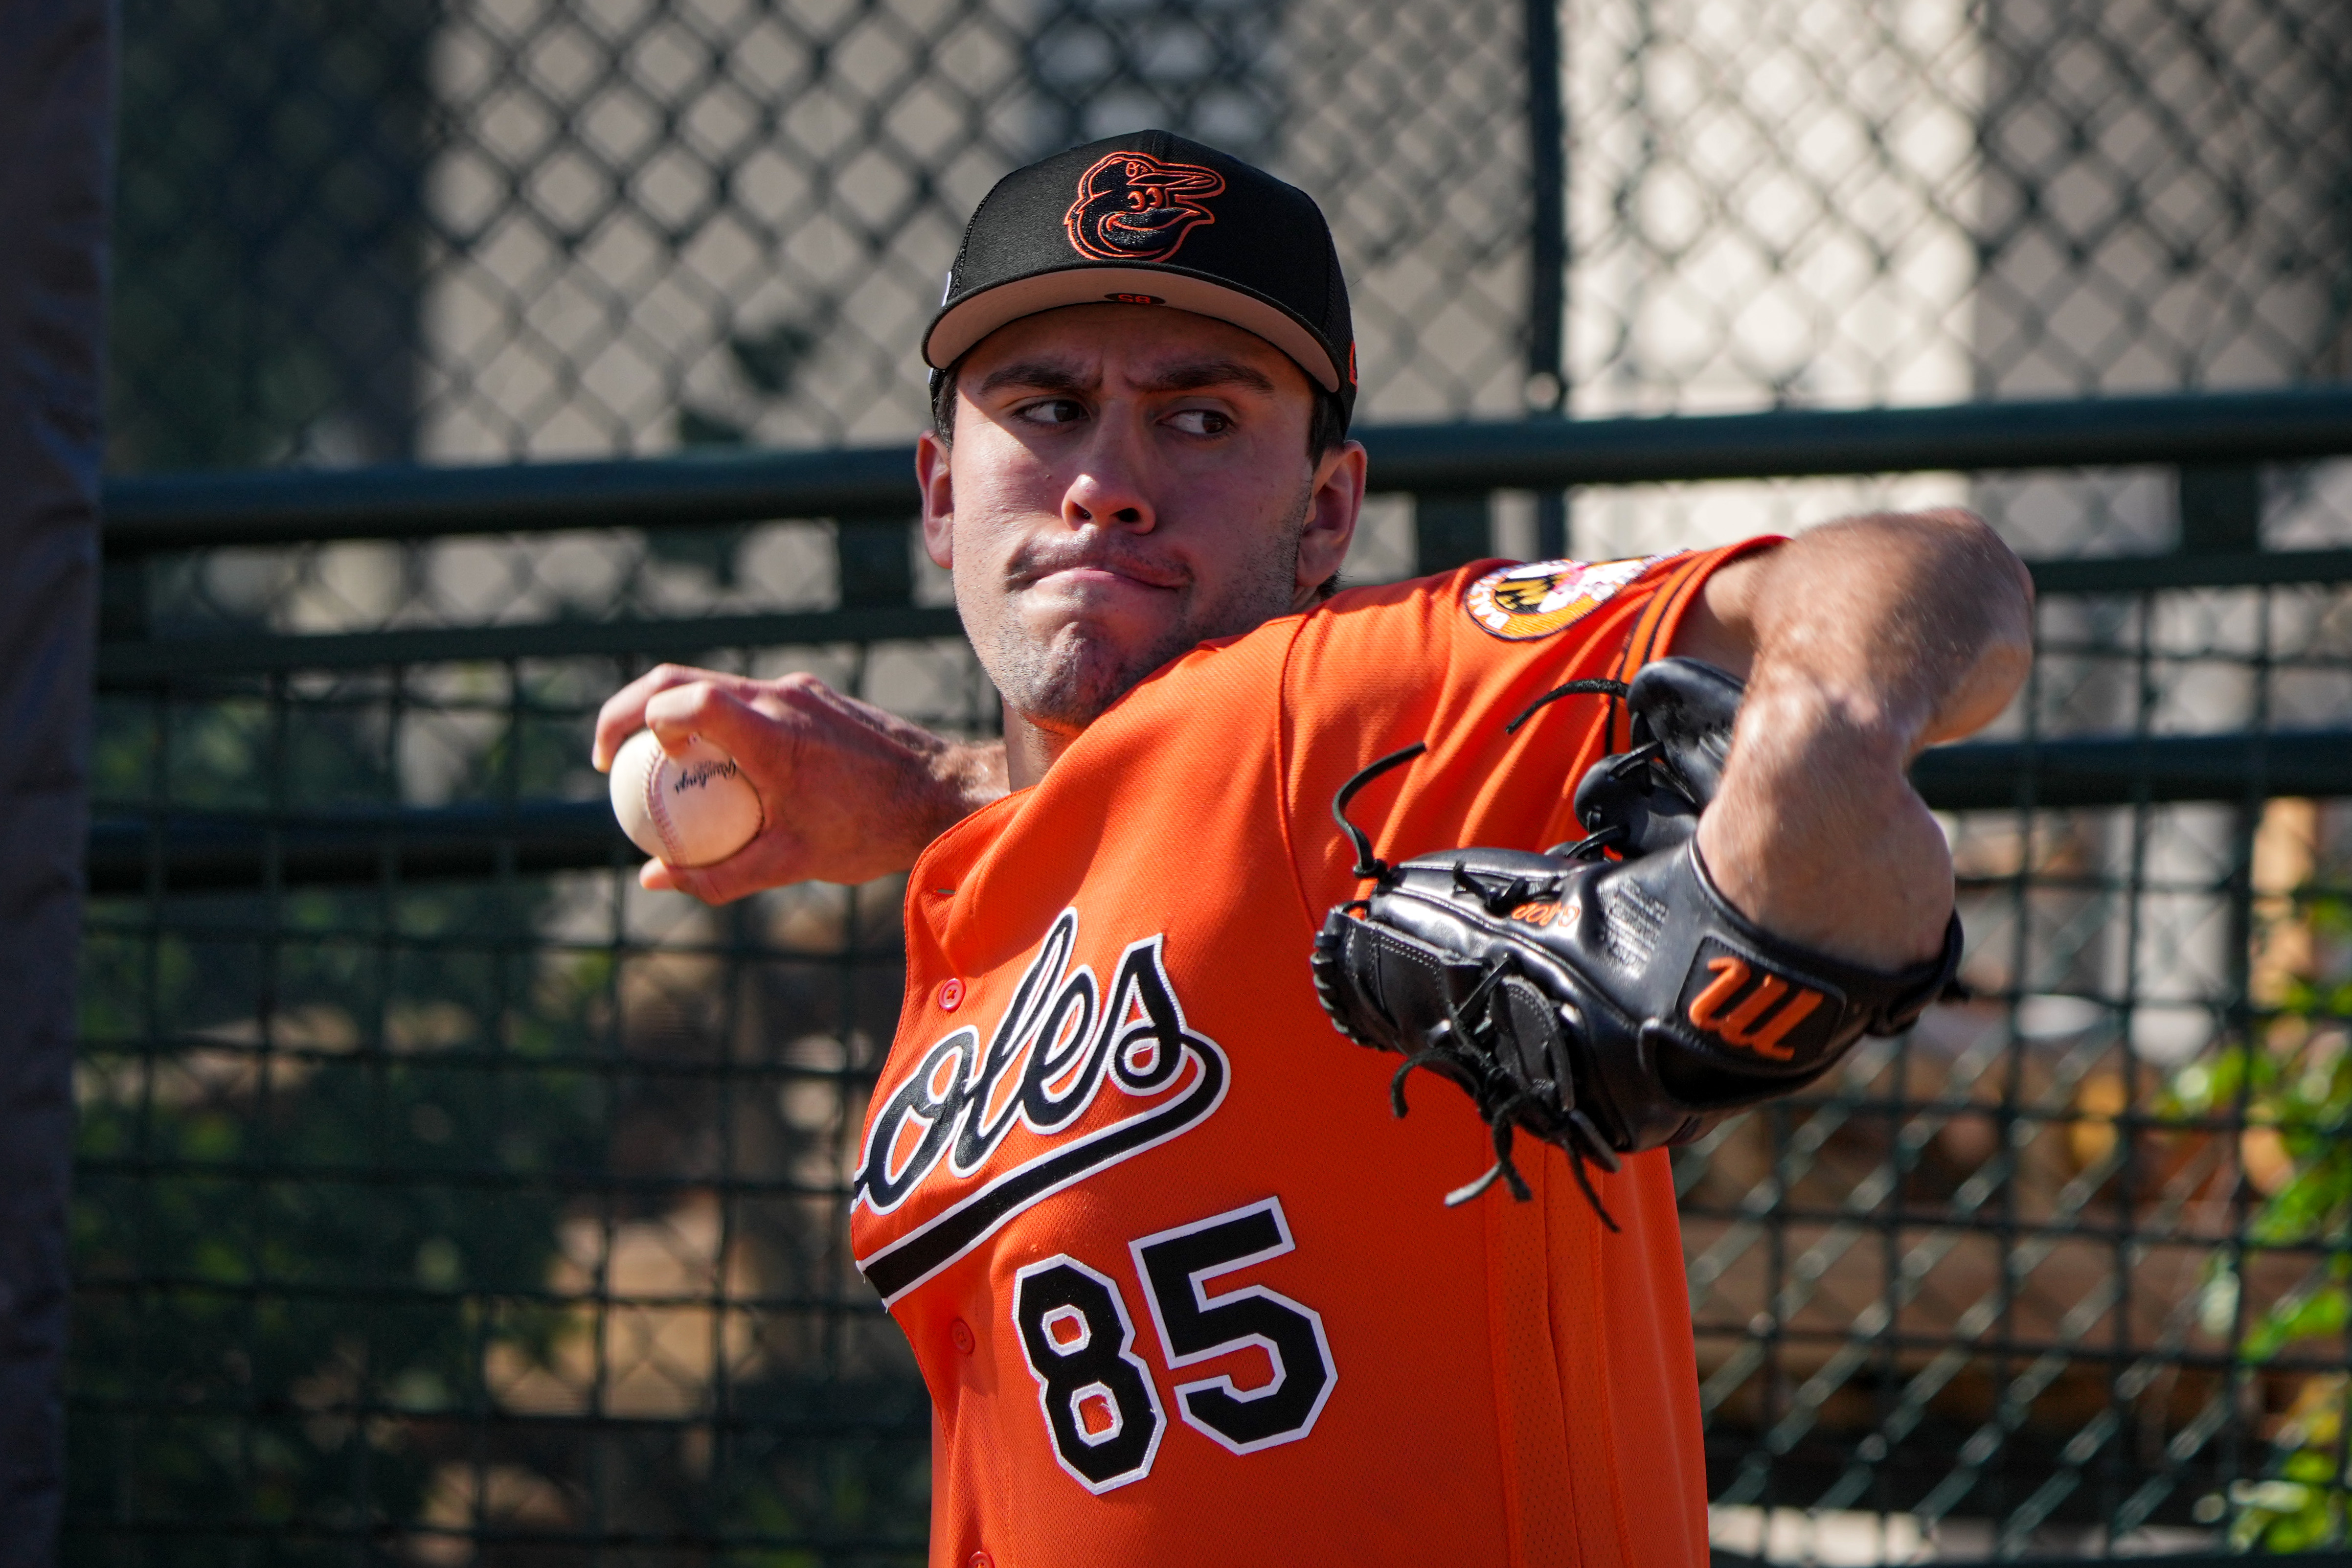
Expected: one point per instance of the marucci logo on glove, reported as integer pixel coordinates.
(1517, 603)
(1132, 206)
(1062, 1039)
(1734, 1000)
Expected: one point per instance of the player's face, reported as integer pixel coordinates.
(1127, 481)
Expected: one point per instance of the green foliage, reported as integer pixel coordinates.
(321, 1169)
(325, 1152)
(2295, 1086)
(330, 1142)
(268, 1329)
(2300, 1506)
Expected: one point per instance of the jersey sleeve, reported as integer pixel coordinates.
(1449, 661)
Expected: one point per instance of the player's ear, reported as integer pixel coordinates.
(1332, 509)
(939, 498)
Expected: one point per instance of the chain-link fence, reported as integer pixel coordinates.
(498, 1220)
(445, 1199)
(494, 228)
(499, 228)
(2007, 1271)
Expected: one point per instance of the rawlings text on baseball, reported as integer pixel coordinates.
(689, 811)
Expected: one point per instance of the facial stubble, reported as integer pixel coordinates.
(1068, 680)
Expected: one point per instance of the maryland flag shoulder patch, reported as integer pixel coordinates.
(1516, 603)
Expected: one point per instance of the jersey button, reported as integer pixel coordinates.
(960, 1333)
(951, 995)
(981, 1560)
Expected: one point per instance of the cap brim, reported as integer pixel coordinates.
(965, 323)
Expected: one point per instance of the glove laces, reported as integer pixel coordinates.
(1468, 1066)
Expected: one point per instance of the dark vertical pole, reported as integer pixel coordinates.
(2220, 506)
(56, 84)
(1452, 528)
(1547, 250)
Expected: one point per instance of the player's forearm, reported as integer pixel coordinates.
(1874, 638)
(897, 793)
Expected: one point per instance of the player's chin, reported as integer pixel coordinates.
(1110, 634)
(1067, 678)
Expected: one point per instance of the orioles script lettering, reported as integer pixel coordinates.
(1063, 1038)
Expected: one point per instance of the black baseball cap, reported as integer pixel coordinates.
(1151, 218)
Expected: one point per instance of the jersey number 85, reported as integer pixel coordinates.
(1102, 1408)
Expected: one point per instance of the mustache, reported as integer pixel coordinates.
(1040, 559)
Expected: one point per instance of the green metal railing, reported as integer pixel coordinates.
(1448, 468)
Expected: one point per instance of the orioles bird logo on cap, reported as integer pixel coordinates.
(1133, 208)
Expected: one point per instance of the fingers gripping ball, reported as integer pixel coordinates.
(693, 812)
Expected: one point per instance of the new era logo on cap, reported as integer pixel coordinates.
(1213, 236)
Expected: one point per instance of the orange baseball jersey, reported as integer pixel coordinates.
(1184, 1290)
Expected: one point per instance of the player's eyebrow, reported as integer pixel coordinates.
(1194, 374)
(1043, 375)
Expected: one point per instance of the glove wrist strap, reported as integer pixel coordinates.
(1889, 1001)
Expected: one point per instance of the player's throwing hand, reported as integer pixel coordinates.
(852, 793)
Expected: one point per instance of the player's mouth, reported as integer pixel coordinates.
(1093, 573)
(1097, 579)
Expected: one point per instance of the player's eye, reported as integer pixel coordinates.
(1052, 411)
(1201, 421)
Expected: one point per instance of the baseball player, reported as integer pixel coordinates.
(1614, 848)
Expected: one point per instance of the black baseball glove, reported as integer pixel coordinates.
(1606, 1006)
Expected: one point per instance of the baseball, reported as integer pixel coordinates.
(688, 813)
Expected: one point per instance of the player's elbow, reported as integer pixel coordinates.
(1981, 561)
(1923, 618)
(1975, 604)
(1945, 568)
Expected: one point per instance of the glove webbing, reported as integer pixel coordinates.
(1460, 1048)
(1498, 1104)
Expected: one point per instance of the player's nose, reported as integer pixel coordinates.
(1109, 491)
